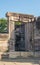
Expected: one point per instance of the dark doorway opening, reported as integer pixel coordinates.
(19, 36)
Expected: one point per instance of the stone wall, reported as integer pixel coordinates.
(3, 42)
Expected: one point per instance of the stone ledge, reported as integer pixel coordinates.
(23, 54)
(3, 36)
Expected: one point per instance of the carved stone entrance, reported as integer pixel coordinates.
(22, 31)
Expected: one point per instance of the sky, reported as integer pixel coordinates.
(20, 6)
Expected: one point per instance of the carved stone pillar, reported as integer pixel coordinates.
(26, 36)
(11, 35)
(28, 30)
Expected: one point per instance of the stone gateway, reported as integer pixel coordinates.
(23, 35)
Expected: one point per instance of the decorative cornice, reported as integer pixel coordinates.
(8, 14)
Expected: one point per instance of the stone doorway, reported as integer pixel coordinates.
(19, 36)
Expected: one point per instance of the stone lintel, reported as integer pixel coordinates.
(22, 17)
(19, 14)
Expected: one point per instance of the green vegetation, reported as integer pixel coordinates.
(3, 25)
(18, 23)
